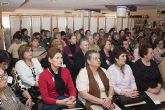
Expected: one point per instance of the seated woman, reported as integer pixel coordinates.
(8, 101)
(106, 55)
(146, 71)
(13, 80)
(122, 79)
(93, 85)
(159, 51)
(56, 85)
(28, 69)
(37, 51)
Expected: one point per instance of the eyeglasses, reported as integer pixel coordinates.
(4, 76)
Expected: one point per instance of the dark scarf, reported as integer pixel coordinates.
(94, 87)
(59, 82)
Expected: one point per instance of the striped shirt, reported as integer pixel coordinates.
(12, 102)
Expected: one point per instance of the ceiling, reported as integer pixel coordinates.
(76, 4)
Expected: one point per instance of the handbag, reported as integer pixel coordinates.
(127, 100)
(34, 92)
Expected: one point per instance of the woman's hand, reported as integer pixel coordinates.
(155, 90)
(62, 102)
(72, 102)
(107, 103)
(29, 103)
(132, 94)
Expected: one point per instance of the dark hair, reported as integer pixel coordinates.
(95, 34)
(63, 33)
(71, 35)
(102, 42)
(53, 51)
(143, 49)
(88, 54)
(87, 32)
(22, 49)
(4, 56)
(124, 40)
(36, 34)
(17, 36)
(23, 30)
(118, 51)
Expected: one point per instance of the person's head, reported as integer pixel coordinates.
(35, 41)
(55, 57)
(59, 44)
(42, 32)
(120, 55)
(17, 38)
(106, 44)
(101, 32)
(111, 31)
(96, 37)
(63, 34)
(47, 33)
(92, 58)
(81, 31)
(55, 30)
(145, 51)
(37, 34)
(5, 59)
(90, 39)
(125, 43)
(159, 43)
(84, 45)
(25, 52)
(3, 79)
(115, 36)
(58, 35)
(73, 39)
(121, 33)
(87, 32)
(24, 31)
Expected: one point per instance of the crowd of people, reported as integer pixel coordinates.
(91, 71)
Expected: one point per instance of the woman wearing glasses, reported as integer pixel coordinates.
(28, 69)
(8, 100)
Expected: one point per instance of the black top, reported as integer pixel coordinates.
(146, 76)
(79, 61)
(106, 61)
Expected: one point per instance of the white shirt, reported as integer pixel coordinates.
(13, 49)
(82, 83)
(25, 72)
(121, 81)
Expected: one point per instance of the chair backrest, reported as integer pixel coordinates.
(162, 69)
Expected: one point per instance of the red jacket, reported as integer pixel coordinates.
(47, 85)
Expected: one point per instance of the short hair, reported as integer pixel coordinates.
(5, 56)
(88, 54)
(57, 42)
(143, 49)
(118, 51)
(36, 34)
(95, 34)
(83, 39)
(53, 51)
(23, 30)
(22, 49)
(102, 42)
(17, 36)
(124, 39)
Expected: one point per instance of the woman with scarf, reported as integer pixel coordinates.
(56, 85)
(93, 85)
